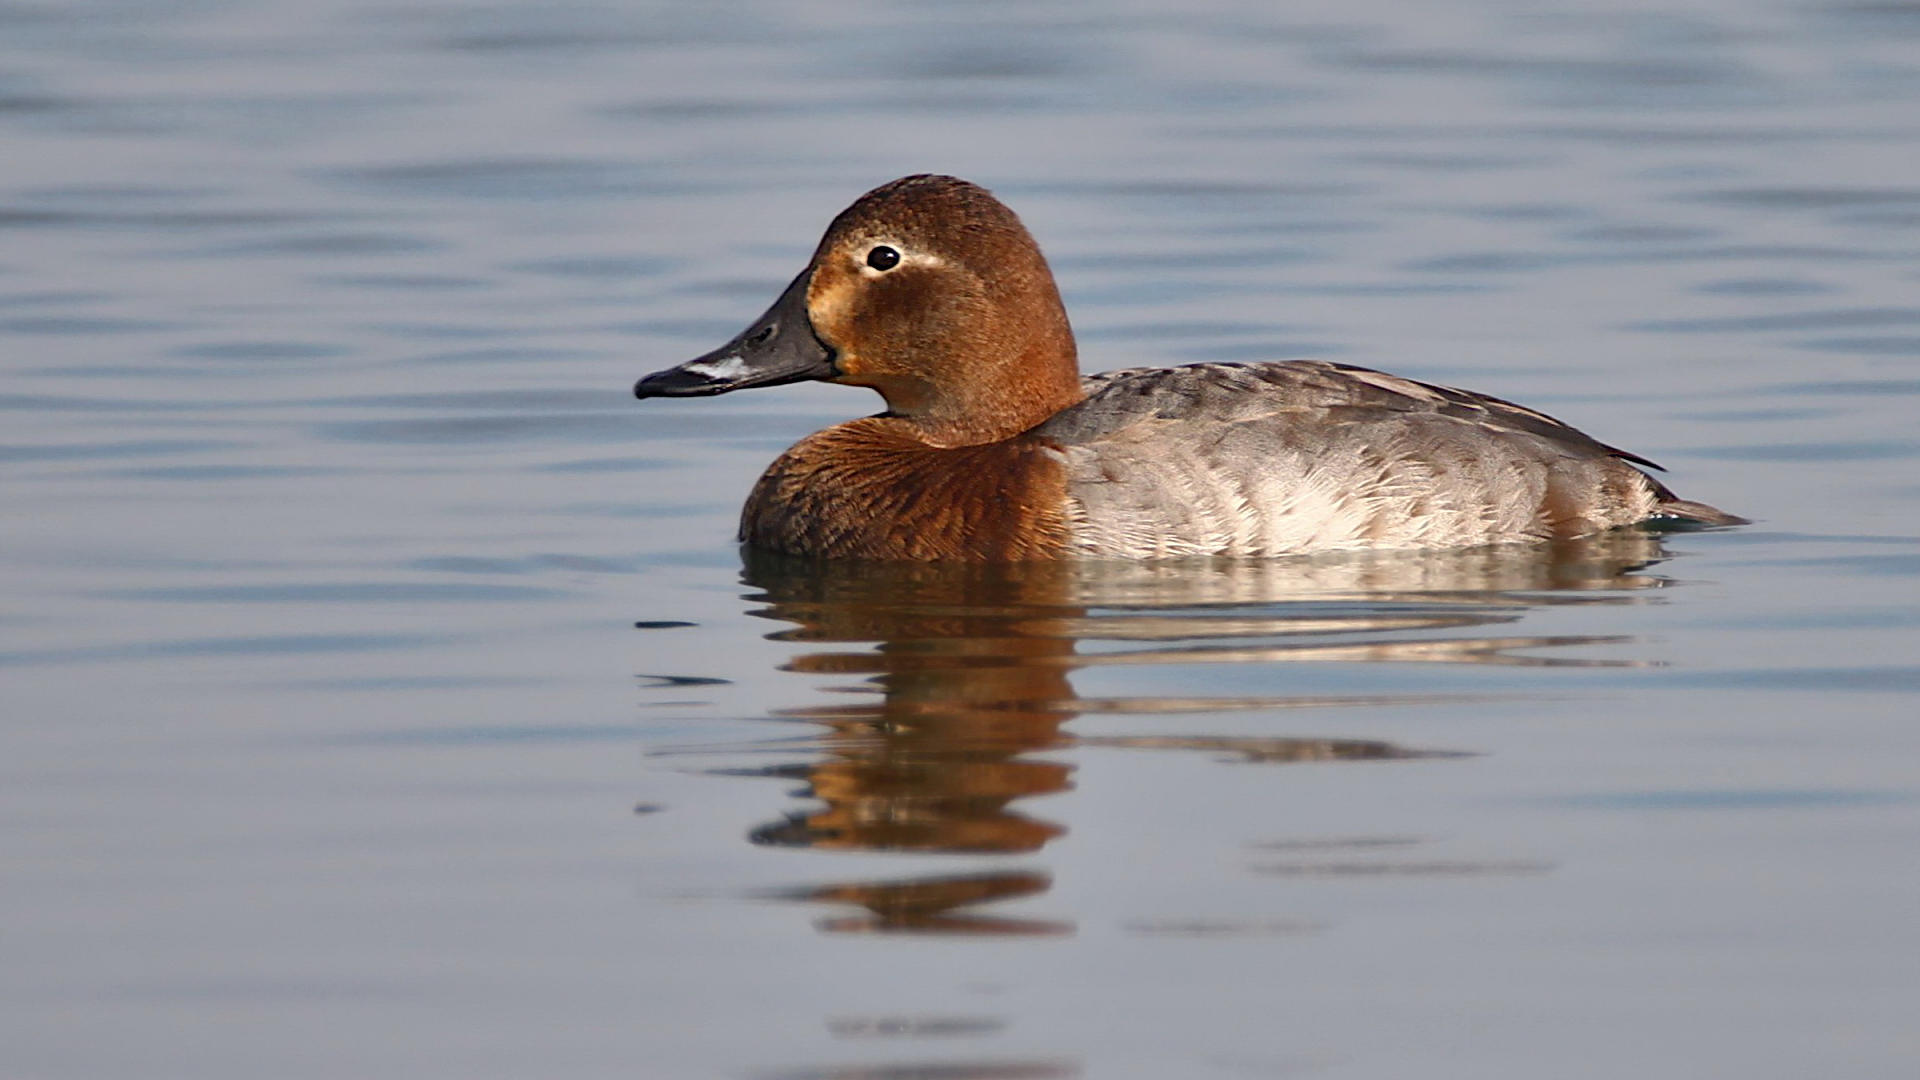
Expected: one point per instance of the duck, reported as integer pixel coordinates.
(994, 447)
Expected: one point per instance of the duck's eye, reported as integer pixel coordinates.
(883, 258)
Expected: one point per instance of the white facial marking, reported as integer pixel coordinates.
(728, 367)
(908, 257)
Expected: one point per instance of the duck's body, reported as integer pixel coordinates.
(1212, 459)
(993, 447)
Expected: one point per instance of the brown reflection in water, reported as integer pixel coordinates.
(971, 663)
(971, 666)
(930, 905)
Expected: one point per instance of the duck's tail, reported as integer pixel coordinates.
(1698, 513)
(1670, 507)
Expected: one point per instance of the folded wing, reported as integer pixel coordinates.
(1301, 456)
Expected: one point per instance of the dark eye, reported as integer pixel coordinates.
(883, 258)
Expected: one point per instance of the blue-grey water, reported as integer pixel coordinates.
(384, 695)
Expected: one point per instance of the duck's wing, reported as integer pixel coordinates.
(1301, 456)
(1242, 392)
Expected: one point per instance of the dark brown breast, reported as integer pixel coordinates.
(868, 489)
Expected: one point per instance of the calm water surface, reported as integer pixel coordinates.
(384, 696)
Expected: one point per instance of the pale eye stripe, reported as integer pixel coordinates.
(908, 257)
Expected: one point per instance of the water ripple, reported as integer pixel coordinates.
(231, 647)
(346, 593)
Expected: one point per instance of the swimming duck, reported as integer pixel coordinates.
(994, 447)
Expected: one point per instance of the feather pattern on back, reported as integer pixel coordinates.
(1299, 456)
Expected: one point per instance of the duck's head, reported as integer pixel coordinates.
(929, 291)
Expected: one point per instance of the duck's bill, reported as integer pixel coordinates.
(779, 348)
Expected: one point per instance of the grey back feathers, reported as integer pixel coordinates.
(1302, 456)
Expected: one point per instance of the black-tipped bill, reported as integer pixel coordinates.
(780, 347)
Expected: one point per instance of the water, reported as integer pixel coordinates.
(384, 696)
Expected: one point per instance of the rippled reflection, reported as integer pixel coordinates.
(968, 668)
(932, 905)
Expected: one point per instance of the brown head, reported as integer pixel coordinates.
(929, 291)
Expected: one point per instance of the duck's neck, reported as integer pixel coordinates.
(994, 410)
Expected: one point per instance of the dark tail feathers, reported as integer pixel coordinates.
(1687, 510)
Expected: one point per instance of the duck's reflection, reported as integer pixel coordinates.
(932, 905)
(971, 666)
